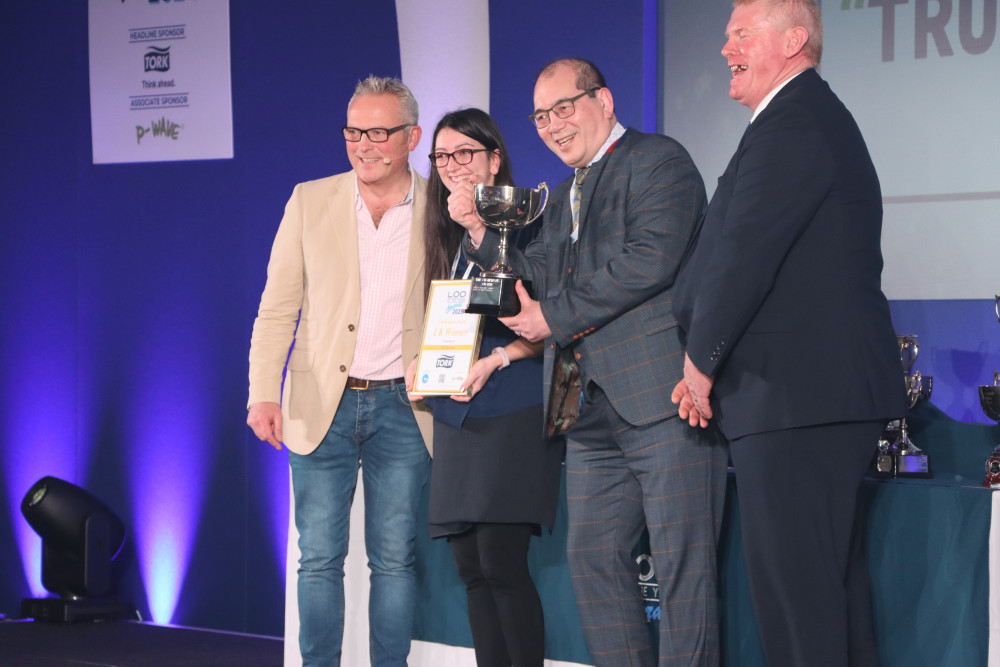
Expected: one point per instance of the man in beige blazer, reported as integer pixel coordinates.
(345, 293)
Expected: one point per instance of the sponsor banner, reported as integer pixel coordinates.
(160, 80)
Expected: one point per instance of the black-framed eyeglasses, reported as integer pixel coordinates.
(562, 109)
(375, 134)
(462, 156)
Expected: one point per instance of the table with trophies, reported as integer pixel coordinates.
(929, 504)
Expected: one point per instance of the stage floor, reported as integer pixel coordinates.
(131, 644)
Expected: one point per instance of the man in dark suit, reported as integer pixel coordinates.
(790, 347)
(602, 276)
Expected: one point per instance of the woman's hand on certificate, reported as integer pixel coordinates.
(478, 375)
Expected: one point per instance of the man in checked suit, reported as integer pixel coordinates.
(345, 283)
(603, 298)
(789, 343)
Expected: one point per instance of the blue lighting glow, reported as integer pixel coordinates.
(270, 475)
(46, 447)
(171, 443)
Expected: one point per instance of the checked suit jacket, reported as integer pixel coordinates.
(609, 294)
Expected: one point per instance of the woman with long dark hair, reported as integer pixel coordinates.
(495, 476)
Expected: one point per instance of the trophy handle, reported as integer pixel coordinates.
(914, 386)
(545, 188)
(997, 306)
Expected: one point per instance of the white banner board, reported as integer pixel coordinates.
(160, 80)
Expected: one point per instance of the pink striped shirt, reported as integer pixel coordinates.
(383, 252)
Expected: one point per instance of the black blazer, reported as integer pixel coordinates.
(781, 299)
(609, 294)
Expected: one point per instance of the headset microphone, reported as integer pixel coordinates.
(386, 160)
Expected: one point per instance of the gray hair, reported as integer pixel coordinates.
(784, 14)
(387, 85)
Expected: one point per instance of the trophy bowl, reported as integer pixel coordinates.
(989, 397)
(908, 351)
(503, 208)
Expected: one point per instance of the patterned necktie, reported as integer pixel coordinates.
(580, 174)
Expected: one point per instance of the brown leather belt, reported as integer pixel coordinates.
(355, 383)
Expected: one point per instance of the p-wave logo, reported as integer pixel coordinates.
(163, 127)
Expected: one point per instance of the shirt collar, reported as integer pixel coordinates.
(616, 133)
(770, 96)
(406, 200)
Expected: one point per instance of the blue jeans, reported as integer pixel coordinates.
(375, 429)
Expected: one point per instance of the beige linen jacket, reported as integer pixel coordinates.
(313, 281)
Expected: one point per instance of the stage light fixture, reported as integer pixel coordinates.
(80, 538)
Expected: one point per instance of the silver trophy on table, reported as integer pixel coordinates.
(503, 208)
(897, 455)
(989, 399)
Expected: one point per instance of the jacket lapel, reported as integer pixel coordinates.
(343, 220)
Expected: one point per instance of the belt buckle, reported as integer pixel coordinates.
(360, 385)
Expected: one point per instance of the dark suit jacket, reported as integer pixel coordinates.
(781, 299)
(609, 294)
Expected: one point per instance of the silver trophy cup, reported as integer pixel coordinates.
(897, 455)
(911, 461)
(989, 399)
(503, 208)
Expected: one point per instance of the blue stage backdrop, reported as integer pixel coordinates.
(127, 292)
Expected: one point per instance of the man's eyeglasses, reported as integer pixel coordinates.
(375, 134)
(561, 109)
(461, 156)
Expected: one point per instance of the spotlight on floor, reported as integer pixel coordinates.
(80, 538)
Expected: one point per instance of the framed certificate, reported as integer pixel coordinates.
(450, 342)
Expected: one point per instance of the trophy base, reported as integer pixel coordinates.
(883, 465)
(992, 479)
(495, 295)
(913, 465)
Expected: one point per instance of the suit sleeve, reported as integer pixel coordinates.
(785, 172)
(659, 199)
(278, 314)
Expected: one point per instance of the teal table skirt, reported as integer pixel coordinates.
(928, 551)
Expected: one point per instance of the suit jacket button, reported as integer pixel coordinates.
(577, 355)
(343, 368)
(350, 327)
